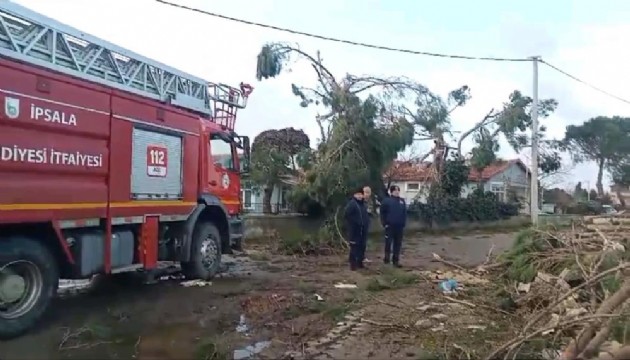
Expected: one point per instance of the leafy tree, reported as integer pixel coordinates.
(484, 153)
(592, 194)
(274, 155)
(621, 179)
(361, 132)
(362, 129)
(602, 140)
(513, 121)
(559, 197)
(579, 193)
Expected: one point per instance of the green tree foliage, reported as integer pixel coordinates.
(621, 179)
(445, 204)
(361, 132)
(513, 121)
(273, 157)
(579, 193)
(603, 140)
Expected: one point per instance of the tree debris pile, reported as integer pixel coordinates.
(572, 288)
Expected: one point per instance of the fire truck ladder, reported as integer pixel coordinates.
(30, 37)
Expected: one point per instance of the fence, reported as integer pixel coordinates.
(259, 207)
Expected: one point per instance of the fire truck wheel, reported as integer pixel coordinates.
(205, 257)
(29, 278)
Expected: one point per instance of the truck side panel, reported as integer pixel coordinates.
(158, 148)
(53, 146)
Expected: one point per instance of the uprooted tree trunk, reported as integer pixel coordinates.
(622, 200)
(622, 353)
(589, 340)
(267, 194)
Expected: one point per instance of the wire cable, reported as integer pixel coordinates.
(342, 41)
(575, 78)
(387, 48)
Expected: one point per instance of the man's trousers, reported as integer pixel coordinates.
(393, 243)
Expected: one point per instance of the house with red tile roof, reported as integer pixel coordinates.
(501, 177)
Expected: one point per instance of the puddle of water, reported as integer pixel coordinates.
(251, 350)
(242, 325)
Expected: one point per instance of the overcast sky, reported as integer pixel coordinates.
(585, 38)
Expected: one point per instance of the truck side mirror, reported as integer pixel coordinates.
(245, 164)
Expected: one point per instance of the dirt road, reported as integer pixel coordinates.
(266, 304)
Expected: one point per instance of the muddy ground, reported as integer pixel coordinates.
(280, 306)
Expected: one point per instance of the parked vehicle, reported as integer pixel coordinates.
(109, 162)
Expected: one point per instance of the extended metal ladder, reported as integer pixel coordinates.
(28, 36)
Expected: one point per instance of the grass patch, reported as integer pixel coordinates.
(211, 350)
(305, 287)
(93, 334)
(390, 279)
(259, 256)
(334, 309)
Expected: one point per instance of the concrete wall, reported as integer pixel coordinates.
(264, 226)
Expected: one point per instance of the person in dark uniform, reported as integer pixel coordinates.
(367, 193)
(393, 219)
(356, 218)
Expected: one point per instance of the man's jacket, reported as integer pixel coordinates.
(394, 212)
(356, 217)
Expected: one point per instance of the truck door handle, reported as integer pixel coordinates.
(213, 183)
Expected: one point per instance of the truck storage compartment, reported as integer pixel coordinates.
(89, 255)
(156, 165)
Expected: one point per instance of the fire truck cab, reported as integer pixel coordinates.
(109, 162)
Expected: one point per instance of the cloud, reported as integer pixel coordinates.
(222, 51)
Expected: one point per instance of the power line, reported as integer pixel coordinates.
(348, 42)
(584, 82)
(387, 48)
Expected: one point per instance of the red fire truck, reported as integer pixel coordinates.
(109, 162)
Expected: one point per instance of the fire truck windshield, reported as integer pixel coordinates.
(221, 152)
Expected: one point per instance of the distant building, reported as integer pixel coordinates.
(501, 177)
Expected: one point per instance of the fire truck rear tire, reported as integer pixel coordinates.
(205, 257)
(39, 271)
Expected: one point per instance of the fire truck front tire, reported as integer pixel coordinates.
(29, 277)
(205, 257)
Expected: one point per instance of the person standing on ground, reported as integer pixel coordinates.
(393, 219)
(355, 217)
(367, 193)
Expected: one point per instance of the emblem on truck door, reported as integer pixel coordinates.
(225, 181)
(157, 161)
(11, 107)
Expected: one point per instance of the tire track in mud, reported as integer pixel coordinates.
(232, 266)
(321, 348)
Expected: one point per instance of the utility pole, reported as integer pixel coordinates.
(534, 163)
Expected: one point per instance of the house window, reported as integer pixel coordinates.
(498, 190)
(413, 186)
(246, 196)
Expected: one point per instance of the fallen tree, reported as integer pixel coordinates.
(361, 132)
(573, 289)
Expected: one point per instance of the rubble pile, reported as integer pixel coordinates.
(573, 289)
